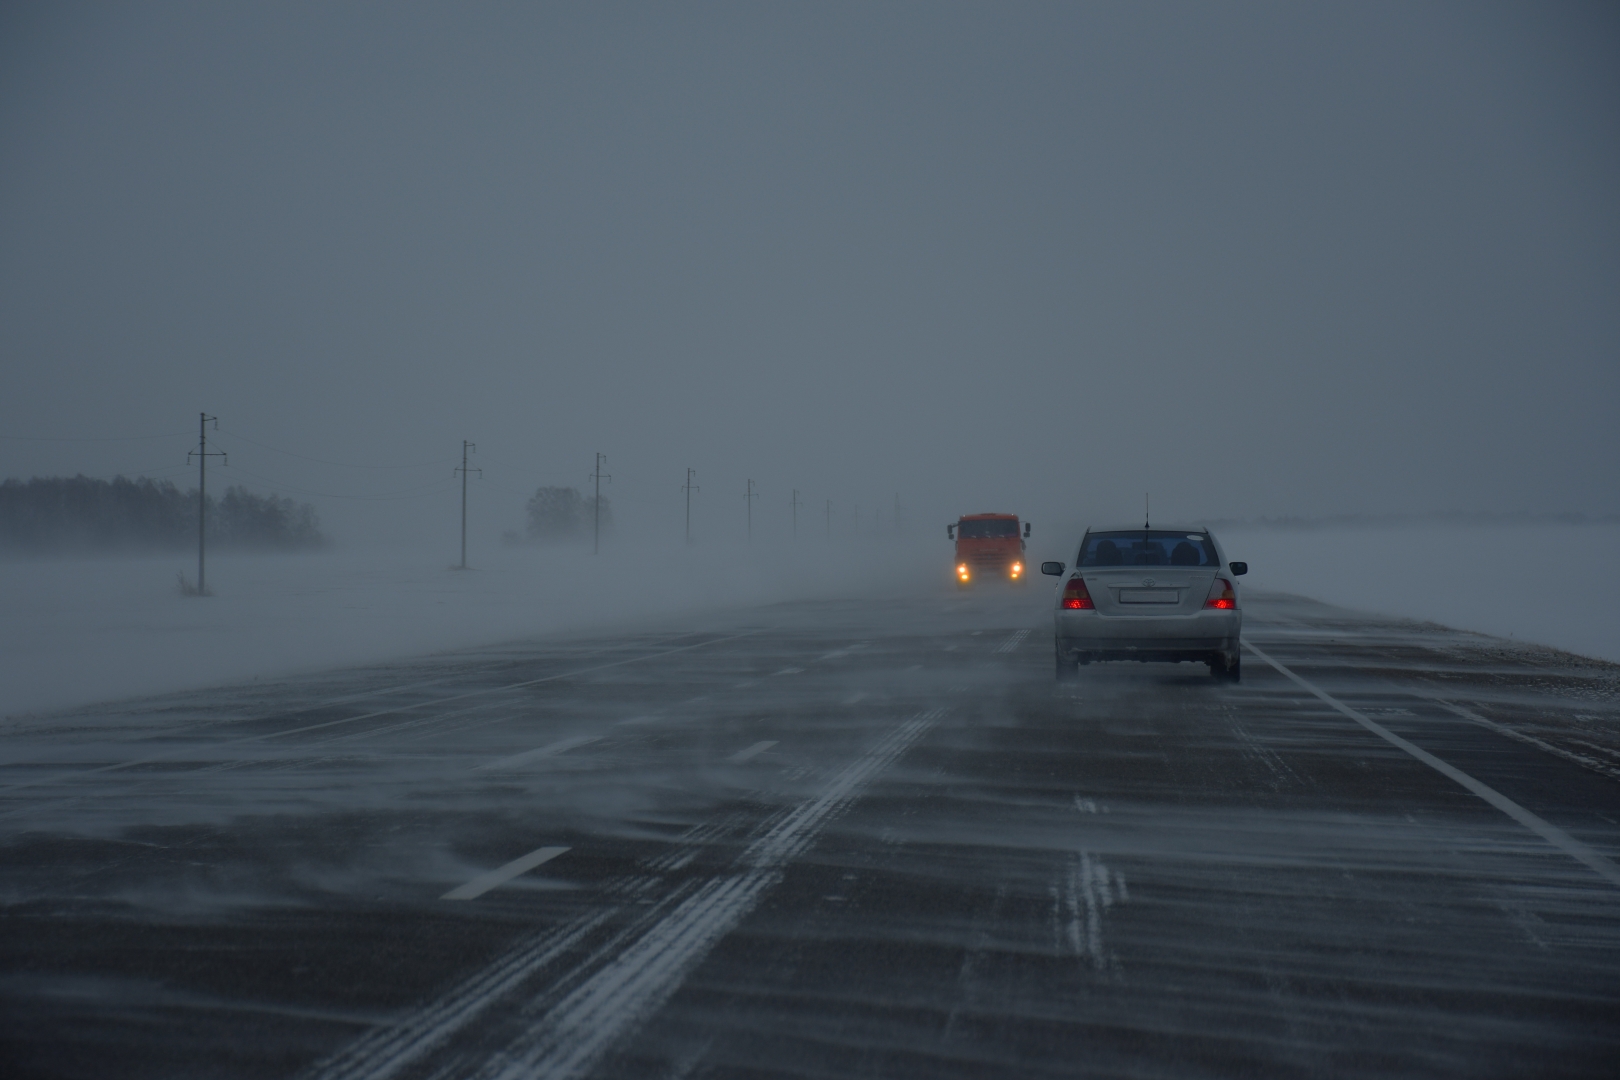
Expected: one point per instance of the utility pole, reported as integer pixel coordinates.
(202, 454)
(465, 446)
(751, 496)
(796, 505)
(829, 521)
(689, 487)
(596, 506)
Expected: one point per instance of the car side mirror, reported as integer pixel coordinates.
(1051, 569)
(950, 532)
(1239, 568)
(1026, 528)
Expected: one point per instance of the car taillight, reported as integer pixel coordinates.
(1075, 596)
(1221, 595)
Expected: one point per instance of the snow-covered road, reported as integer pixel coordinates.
(831, 838)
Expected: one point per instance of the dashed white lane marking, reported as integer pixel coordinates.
(788, 671)
(517, 761)
(1549, 832)
(1013, 642)
(856, 698)
(481, 884)
(752, 752)
(1091, 889)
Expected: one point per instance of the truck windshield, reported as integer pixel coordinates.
(986, 530)
(1147, 547)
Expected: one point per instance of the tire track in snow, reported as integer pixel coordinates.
(576, 1033)
(1013, 642)
(619, 986)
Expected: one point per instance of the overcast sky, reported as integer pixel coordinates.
(1268, 259)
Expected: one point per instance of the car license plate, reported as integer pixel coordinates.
(1149, 596)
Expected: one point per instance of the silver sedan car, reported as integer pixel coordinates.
(1160, 593)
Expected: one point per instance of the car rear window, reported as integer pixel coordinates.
(986, 530)
(1147, 547)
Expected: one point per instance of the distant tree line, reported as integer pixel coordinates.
(58, 514)
(562, 514)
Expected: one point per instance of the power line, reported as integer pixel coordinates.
(323, 461)
(89, 438)
(404, 493)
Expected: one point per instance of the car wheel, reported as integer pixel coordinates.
(1068, 666)
(1234, 668)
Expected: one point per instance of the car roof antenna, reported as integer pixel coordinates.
(1146, 514)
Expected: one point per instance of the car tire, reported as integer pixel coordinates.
(1234, 668)
(1068, 666)
(1227, 668)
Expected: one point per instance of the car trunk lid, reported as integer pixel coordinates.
(1140, 590)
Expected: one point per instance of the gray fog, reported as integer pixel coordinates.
(1328, 791)
(1258, 259)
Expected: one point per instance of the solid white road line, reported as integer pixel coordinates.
(1568, 755)
(1555, 836)
(752, 752)
(517, 761)
(481, 884)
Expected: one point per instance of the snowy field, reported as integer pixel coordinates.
(82, 630)
(74, 631)
(1551, 584)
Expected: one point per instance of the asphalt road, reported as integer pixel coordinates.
(830, 839)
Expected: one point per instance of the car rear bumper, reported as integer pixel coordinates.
(1156, 637)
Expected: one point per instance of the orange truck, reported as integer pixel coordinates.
(988, 546)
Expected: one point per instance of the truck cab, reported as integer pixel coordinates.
(988, 547)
